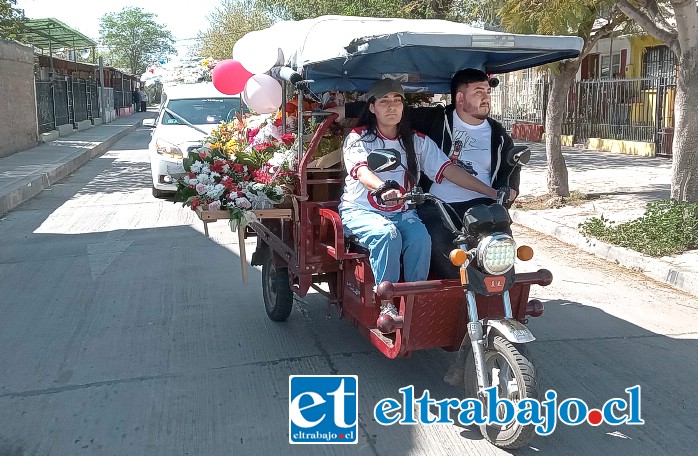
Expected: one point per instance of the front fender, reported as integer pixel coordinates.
(513, 330)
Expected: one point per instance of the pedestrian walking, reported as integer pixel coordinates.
(144, 100)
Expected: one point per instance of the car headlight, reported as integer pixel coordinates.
(164, 148)
(496, 253)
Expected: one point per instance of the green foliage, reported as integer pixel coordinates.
(666, 228)
(134, 39)
(10, 19)
(417, 9)
(228, 23)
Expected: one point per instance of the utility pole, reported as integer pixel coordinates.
(101, 89)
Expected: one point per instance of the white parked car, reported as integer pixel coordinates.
(187, 115)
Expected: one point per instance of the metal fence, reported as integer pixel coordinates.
(93, 95)
(519, 101)
(622, 109)
(80, 100)
(65, 101)
(44, 106)
(60, 102)
(122, 93)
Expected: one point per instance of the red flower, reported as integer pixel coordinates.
(217, 166)
(191, 175)
(288, 138)
(202, 154)
(263, 146)
(251, 134)
(238, 167)
(195, 203)
(277, 122)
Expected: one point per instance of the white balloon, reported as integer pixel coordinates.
(262, 94)
(257, 54)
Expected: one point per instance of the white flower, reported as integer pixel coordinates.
(232, 158)
(215, 191)
(204, 178)
(196, 167)
(226, 168)
(192, 181)
(214, 206)
(278, 190)
(257, 186)
(243, 203)
(214, 175)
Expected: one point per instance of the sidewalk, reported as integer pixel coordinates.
(623, 184)
(25, 174)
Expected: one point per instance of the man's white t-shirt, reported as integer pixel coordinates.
(471, 149)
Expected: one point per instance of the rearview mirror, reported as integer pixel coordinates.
(518, 155)
(150, 123)
(380, 160)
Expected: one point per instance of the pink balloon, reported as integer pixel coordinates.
(230, 77)
(262, 94)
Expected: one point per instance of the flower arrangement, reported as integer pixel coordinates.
(240, 169)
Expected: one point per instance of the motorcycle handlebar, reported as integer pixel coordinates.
(419, 197)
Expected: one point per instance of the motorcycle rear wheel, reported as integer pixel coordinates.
(517, 381)
(276, 291)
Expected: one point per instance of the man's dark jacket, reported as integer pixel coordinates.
(431, 121)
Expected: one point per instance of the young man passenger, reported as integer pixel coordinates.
(371, 208)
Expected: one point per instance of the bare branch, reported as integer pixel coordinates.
(649, 24)
(602, 32)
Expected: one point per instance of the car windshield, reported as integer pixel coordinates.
(202, 111)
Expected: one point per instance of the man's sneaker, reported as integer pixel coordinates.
(388, 309)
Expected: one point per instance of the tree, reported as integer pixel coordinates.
(229, 22)
(10, 19)
(589, 19)
(134, 39)
(681, 35)
(417, 9)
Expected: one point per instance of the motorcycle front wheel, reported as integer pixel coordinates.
(509, 367)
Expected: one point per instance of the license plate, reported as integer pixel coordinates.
(174, 170)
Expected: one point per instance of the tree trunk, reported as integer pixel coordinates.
(558, 184)
(684, 173)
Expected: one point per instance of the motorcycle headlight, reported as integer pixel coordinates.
(165, 148)
(496, 253)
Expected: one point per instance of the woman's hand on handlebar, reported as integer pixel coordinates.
(392, 197)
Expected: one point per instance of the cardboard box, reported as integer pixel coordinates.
(327, 161)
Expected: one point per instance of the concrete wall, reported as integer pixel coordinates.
(18, 124)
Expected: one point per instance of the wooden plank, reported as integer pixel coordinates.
(212, 216)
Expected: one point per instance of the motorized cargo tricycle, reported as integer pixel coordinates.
(484, 313)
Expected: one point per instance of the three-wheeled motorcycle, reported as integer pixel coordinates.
(483, 314)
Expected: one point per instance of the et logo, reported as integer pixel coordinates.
(323, 409)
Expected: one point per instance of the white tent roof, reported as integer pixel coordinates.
(349, 53)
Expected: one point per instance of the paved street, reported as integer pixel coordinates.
(125, 331)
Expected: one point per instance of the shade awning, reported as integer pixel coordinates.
(51, 33)
(350, 53)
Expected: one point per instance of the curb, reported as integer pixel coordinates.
(654, 268)
(30, 186)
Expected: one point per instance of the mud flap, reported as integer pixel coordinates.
(260, 253)
(455, 374)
